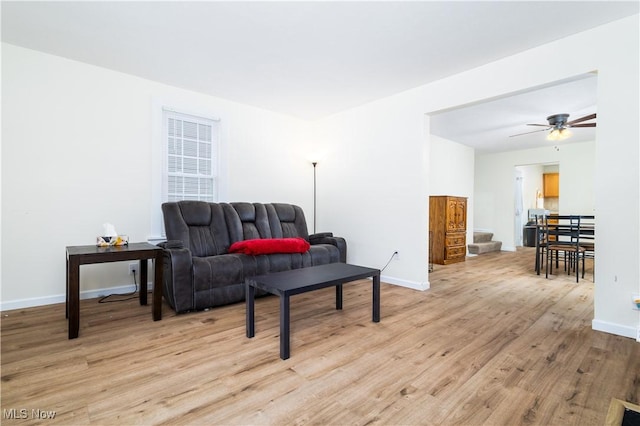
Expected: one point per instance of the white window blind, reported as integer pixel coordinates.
(191, 157)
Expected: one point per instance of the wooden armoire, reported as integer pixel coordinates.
(448, 229)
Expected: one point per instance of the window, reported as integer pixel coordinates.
(187, 158)
(191, 146)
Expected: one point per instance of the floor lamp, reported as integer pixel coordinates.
(315, 163)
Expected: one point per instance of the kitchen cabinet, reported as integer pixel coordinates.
(448, 229)
(551, 184)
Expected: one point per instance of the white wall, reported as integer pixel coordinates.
(77, 152)
(379, 176)
(494, 185)
(372, 186)
(451, 172)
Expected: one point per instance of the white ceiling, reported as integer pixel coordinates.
(306, 59)
(490, 127)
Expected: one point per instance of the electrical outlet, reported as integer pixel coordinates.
(133, 268)
(396, 255)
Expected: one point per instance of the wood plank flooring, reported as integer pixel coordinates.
(490, 343)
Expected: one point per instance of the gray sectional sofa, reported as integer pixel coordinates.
(199, 272)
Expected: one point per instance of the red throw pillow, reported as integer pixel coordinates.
(270, 246)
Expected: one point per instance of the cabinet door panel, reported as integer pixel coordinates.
(551, 184)
(461, 215)
(452, 215)
(456, 214)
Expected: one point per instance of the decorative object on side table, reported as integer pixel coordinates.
(111, 237)
(118, 240)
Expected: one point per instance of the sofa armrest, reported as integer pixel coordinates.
(171, 244)
(320, 235)
(328, 238)
(177, 276)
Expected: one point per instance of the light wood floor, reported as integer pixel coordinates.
(490, 343)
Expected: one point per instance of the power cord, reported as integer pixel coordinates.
(389, 261)
(104, 298)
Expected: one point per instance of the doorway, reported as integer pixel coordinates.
(529, 181)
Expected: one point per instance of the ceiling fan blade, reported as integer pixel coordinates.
(582, 125)
(581, 119)
(526, 133)
(544, 125)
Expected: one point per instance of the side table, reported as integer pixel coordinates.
(85, 255)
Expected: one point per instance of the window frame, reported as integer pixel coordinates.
(159, 158)
(169, 114)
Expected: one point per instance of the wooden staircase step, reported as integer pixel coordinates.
(482, 237)
(485, 247)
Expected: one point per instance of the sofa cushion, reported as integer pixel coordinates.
(254, 219)
(290, 221)
(270, 246)
(200, 226)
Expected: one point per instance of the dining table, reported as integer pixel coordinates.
(562, 227)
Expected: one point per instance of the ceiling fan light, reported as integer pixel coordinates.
(558, 134)
(554, 135)
(565, 133)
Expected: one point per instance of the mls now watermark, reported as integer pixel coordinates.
(24, 413)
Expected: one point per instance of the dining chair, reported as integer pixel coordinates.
(588, 239)
(541, 242)
(563, 237)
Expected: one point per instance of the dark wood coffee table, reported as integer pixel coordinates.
(286, 284)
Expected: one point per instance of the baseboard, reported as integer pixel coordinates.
(61, 298)
(405, 283)
(612, 328)
(508, 248)
(92, 294)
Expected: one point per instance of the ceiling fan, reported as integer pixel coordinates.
(559, 126)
